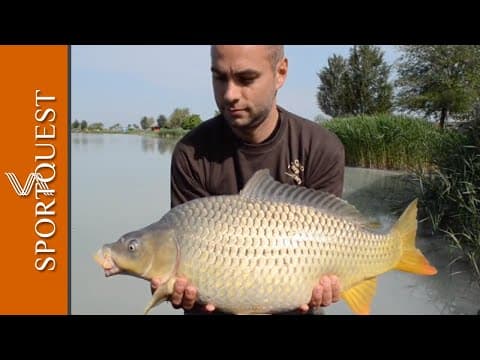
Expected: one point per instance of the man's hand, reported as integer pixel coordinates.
(184, 295)
(326, 292)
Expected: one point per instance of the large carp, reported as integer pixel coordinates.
(264, 249)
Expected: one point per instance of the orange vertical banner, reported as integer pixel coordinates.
(34, 105)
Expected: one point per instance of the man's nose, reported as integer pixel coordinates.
(232, 92)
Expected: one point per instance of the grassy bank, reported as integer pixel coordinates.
(389, 142)
(165, 133)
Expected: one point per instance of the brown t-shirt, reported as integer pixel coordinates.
(211, 160)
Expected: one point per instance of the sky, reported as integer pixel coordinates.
(122, 83)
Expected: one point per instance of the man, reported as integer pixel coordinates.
(252, 133)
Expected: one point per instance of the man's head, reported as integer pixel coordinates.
(245, 81)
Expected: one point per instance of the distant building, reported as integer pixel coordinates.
(155, 128)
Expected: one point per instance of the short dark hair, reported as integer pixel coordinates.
(275, 54)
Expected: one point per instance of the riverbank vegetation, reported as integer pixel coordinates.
(450, 194)
(440, 85)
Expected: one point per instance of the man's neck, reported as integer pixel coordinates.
(262, 132)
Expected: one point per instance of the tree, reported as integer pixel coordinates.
(162, 121)
(75, 124)
(439, 80)
(356, 86)
(146, 122)
(96, 126)
(176, 118)
(330, 94)
(191, 122)
(367, 88)
(83, 125)
(116, 127)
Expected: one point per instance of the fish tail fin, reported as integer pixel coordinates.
(411, 259)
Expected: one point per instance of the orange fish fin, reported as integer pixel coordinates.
(412, 260)
(359, 297)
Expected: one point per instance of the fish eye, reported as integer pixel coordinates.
(132, 245)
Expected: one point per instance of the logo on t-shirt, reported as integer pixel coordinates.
(295, 170)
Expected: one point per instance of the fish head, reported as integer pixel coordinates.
(146, 253)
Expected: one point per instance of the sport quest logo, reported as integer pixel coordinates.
(33, 178)
(44, 207)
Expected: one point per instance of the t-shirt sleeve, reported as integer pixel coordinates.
(184, 185)
(327, 167)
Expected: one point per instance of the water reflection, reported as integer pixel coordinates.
(90, 140)
(148, 144)
(162, 145)
(166, 145)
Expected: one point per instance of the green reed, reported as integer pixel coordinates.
(388, 142)
(450, 194)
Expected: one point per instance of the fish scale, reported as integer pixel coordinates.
(326, 253)
(265, 249)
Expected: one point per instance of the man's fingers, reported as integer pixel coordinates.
(210, 307)
(304, 308)
(189, 297)
(317, 296)
(154, 283)
(178, 290)
(327, 291)
(335, 289)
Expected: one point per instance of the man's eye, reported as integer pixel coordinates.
(246, 81)
(219, 78)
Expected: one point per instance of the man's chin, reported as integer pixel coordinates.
(237, 123)
(240, 122)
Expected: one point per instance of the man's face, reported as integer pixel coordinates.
(245, 83)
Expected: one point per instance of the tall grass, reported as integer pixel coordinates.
(388, 142)
(451, 196)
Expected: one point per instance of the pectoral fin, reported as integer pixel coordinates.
(359, 297)
(160, 295)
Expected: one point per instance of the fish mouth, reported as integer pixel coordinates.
(104, 258)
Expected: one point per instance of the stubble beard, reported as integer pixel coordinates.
(247, 125)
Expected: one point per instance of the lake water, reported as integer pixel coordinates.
(121, 183)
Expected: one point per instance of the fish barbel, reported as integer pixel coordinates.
(264, 249)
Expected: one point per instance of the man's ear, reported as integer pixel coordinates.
(281, 72)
